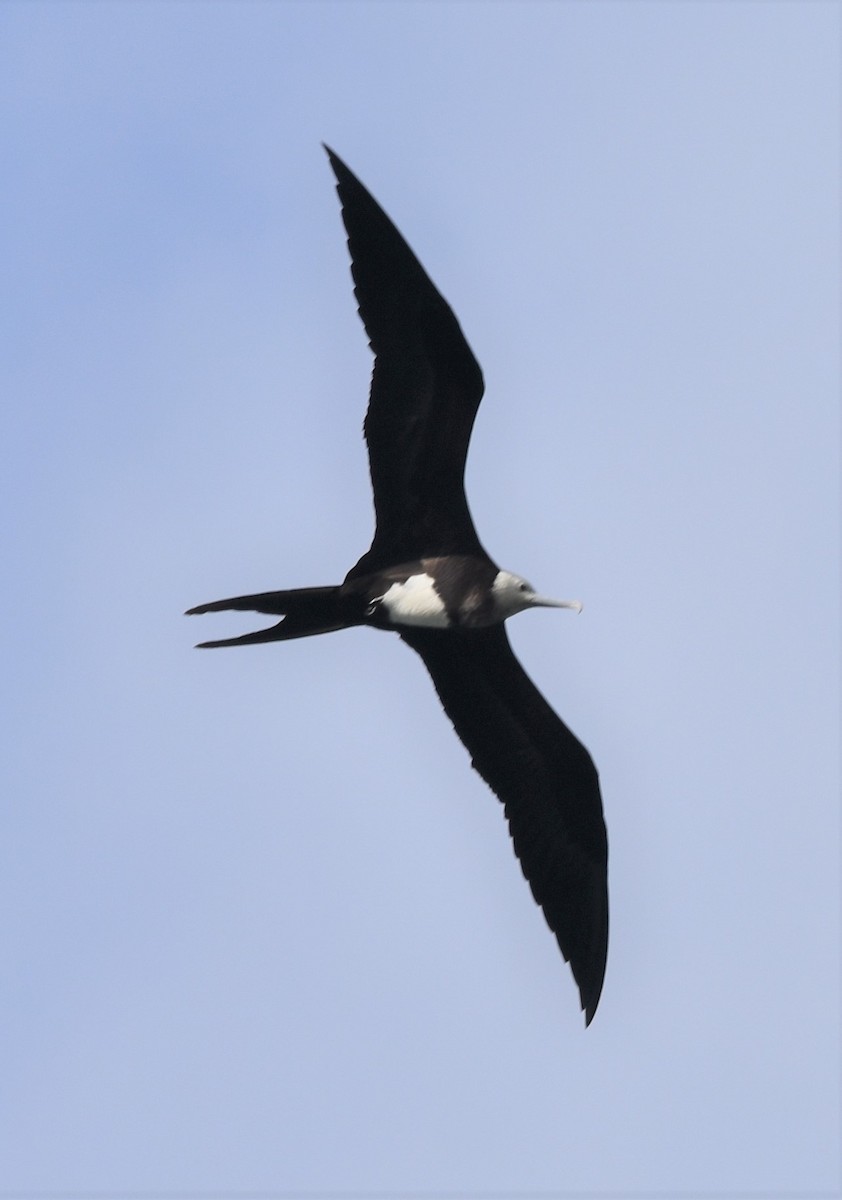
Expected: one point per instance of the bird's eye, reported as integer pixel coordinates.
(524, 587)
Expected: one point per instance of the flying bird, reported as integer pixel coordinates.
(428, 578)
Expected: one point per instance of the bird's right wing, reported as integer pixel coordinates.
(546, 780)
(425, 391)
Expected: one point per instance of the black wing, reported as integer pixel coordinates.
(425, 392)
(546, 780)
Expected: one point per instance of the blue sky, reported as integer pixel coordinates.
(263, 929)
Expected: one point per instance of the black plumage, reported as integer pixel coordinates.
(427, 577)
(546, 780)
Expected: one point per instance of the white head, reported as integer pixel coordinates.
(513, 594)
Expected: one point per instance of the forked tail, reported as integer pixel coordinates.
(305, 612)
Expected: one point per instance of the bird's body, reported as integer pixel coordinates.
(427, 577)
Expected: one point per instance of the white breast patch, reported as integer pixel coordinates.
(415, 602)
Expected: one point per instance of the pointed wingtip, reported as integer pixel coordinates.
(345, 177)
(589, 1003)
(335, 161)
(589, 998)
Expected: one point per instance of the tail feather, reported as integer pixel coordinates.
(305, 612)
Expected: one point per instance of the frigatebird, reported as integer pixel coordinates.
(428, 578)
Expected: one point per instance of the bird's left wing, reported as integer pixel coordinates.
(425, 391)
(546, 780)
